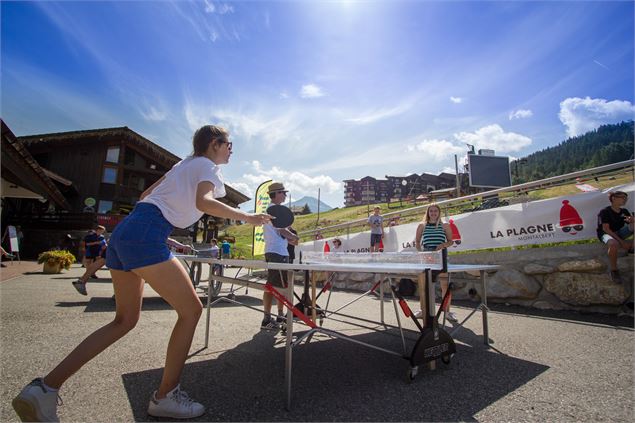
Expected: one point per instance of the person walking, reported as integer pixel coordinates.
(138, 251)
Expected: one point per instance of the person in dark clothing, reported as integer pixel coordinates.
(291, 247)
(615, 225)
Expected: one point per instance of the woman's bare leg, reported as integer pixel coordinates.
(170, 280)
(128, 294)
(443, 280)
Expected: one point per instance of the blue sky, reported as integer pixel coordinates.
(318, 92)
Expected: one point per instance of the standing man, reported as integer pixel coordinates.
(93, 242)
(226, 249)
(376, 222)
(276, 243)
(615, 224)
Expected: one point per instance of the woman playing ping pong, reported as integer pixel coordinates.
(138, 251)
(434, 235)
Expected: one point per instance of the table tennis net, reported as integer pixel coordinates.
(432, 258)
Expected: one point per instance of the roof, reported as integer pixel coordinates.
(124, 132)
(17, 160)
(169, 159)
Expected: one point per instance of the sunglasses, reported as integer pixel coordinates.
(576, 227)
(620, 196)
(229, 144)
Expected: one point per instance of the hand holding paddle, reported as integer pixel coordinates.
(258, 219)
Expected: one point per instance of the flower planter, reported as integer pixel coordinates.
(52, 268)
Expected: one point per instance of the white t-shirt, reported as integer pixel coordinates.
(176, 195)
(274, 242)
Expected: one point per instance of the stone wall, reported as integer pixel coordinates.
(574, 277)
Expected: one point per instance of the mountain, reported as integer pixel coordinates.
(312, 203)
(604, 145)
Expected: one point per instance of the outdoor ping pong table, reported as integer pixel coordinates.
(385, 272)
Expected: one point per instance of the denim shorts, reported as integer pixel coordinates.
(140, 239)
(623, 233)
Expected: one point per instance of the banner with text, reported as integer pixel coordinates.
(567, 218)
(261, 203)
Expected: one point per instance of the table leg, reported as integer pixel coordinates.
(381, 298)
(422, 294)
(209, 302)
(484, 308)
(313, 297)
(289, 344)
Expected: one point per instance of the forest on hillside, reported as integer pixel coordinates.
(604, 145)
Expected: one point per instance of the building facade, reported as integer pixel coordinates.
(394, 188)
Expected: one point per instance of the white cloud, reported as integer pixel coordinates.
(378, 114)
(311, 91)
(222, 9)
(252, 127)
(456, 100)
(437, 150)
(450, 170)
(601, 64)
(299, 184)
(209, 7)
(495, 138)
(225, 8)
(520, 114)
(581, 115)
(284, 95)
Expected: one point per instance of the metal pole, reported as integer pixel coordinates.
(318, 210)
(458, 180)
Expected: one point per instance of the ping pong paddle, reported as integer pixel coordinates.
(283, 216)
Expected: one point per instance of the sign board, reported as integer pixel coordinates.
(90, 201)
(262, 201)
(489, 171)
(13, 239)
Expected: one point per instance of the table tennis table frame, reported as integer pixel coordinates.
(427, 301)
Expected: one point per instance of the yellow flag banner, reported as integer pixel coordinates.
(262, 202)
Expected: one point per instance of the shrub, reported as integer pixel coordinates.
(63, 257)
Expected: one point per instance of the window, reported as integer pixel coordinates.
(112, 156)
(109, 176)
(104, 206)
(129, 157)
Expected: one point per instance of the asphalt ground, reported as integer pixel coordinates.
(545, 366)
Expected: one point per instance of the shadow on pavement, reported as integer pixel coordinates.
(107, 304)
(334, 380)
(621, 321)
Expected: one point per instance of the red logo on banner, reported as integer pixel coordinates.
(456, 235)
(570, 220)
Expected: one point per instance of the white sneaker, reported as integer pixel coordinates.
(451, 317)
(37, 404)
(176, 404)
(419, 314)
